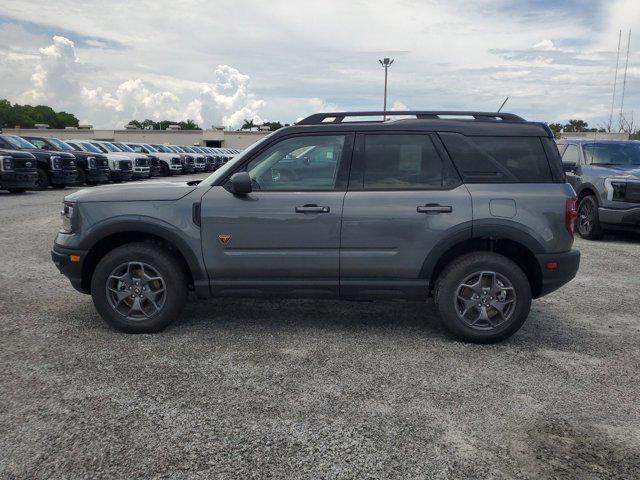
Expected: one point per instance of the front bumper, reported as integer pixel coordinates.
(625, 218)
(120, 175)
(98, 175)
(18, 179)
(64, 177)
(557, 269)
(72, 270)
(141, 172)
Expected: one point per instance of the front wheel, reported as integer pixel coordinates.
(139, 288)
(588, 223)
(42, 182)
(483, 297)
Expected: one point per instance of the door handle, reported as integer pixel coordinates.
(434, 208)
(312, 209)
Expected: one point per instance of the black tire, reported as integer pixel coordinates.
(164, 170)
(169, 269)
(58, 186)
(17, 190)
(42, 182)
(588, 222)
(81, 179)
(451, 281)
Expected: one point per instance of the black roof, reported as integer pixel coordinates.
(464, 122)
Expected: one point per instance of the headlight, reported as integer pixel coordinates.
(6, 164)
(67, 217)
(175, 161)
(56, 162)
(615, 188)
(91, 162)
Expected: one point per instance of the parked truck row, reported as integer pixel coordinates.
(39, 162)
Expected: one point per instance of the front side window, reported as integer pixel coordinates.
(298, 163)
(402, 162)
(39, 143)
(571, 154)
(19, 142)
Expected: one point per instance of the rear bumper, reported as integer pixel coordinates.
(18, 180)
(557, 269)
(72, 270)
(627, 218)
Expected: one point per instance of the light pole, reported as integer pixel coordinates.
(386, 63)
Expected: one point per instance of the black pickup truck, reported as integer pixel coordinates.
(17, 171)
(93, 168)
(55, 169)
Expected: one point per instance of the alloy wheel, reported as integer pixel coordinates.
(136, 290)
(586, 217)
(485, 300)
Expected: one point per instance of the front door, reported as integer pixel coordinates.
(405, 199)
(283, 238)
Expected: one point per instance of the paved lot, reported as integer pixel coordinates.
(309, 389)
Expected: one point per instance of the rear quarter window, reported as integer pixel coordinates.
(498, 159)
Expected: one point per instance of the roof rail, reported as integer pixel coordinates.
(338, 117)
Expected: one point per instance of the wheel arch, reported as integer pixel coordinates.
(519, 247)
(108, 237)
(586, 190)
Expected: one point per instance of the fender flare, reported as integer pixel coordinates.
(152, 226)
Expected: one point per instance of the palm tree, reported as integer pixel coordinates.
(248, 125)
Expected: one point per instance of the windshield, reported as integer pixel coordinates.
(187, 149)
(149, 147)
(163, 149)
(123, 147)
(177, 148)
(61, 145)
(19, 142)
(101, 148)
(627, 153)
(109, 146)
(90, 147)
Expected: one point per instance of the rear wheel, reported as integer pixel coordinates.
(164, 170)
(483, 297)
(17, 190)
(139, 288)
(588, 223)
(42, 182)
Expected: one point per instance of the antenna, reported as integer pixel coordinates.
(505, 101)
(624, 81)
(615, 81)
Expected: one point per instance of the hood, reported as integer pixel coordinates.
(16, 153)
(134, 192)
(40, 151)
(632, 172)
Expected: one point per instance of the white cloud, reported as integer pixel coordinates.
(545, 45)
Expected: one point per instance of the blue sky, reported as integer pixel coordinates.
(221, 62)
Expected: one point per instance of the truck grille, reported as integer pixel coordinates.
(125, 165)
(24, 165)
(142, 162)
(633, 192)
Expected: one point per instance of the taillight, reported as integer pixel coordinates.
(571, 214)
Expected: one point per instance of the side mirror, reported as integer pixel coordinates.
(570, 166)
(240, 183)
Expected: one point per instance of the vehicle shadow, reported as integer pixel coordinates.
(622, 236)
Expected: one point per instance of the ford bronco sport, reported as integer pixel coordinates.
(606, 176)
(473, 210)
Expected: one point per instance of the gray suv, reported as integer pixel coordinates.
(606, 177)
(470, 208)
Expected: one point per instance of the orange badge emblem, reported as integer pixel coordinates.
(224, 238)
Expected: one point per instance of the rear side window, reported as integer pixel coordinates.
(571, 154)
(498, 159)
(403, 162)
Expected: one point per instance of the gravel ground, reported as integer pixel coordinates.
(313, 389)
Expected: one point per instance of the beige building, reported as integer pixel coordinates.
(595, 135)
(209, 138)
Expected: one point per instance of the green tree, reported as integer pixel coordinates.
(556, 128)
(26, 116)
(273, 126)
(248, 125)
(576, 125)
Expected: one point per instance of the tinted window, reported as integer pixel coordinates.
(299, 163)
(571, 154)
(498, 159)
(38, 143)
(401, 162)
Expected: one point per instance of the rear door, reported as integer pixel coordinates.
(404, 201)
